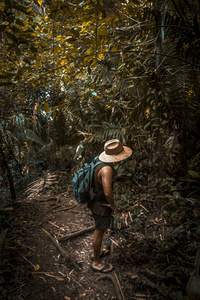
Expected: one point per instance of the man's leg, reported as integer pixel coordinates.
(101, 222)
(97, 243)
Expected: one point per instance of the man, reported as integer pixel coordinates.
(103, 204)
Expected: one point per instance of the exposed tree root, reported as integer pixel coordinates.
(117, 280)
(67, 208)
(41, 199)
(76, 233)
(116, 283)
(62, 251)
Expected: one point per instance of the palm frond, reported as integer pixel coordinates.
(35, 188)
(109, 131)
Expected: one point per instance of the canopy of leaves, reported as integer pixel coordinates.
(82, 72)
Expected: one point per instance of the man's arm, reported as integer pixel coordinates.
(106, 179)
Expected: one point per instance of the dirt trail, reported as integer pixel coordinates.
(43, 272)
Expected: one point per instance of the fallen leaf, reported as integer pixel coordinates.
(37, 267)
(67, 298)
(129, 245)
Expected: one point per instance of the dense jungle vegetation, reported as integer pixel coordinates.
(77, 73)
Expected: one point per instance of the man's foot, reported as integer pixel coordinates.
(103, 253)
(102, 268)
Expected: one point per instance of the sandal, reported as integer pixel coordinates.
(104, 269)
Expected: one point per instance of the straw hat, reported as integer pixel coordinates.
(114, 152)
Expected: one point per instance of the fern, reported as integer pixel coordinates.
(109, 131)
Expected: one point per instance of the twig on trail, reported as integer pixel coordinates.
(58, 197)
(76, 233)
(121, 249)
(62, 251)
(6, 209)
(56, 225)
(26, 259)
(56, 277)
(66, 192)
(54, 206)
(17, 287)
(51, 198)
(138, 204)
(122, 294)
(46, 199)
(137, 182)
(48, 274)
(24, 246)
(147, 282)
(107, 276)
(66, 208)
(78, 283)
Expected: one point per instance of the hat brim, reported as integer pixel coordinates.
(126, 152)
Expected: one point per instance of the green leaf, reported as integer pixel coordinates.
(2, 28)
(19, 22)
(176, 195)
(20, 7)
(194, 174)
(33, 49)
(11, 36)
(196, 211)
(18, 51)
(74, 32)
(135, 2)
(6, 75)
(39, 107)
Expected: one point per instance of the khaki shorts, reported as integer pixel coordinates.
(98, 208)
(101, 222)
(101, 214)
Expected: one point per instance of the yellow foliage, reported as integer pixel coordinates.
(59, 38)
(147, 111)
(103, 30)
(100, 56)
(40, 2)
(46, 107)
(113, 49)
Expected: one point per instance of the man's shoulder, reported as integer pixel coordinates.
(105, 168)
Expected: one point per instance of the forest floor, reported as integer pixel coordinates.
(50, 249)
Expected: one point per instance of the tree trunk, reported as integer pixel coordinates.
(9, 174)
(158, 100)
